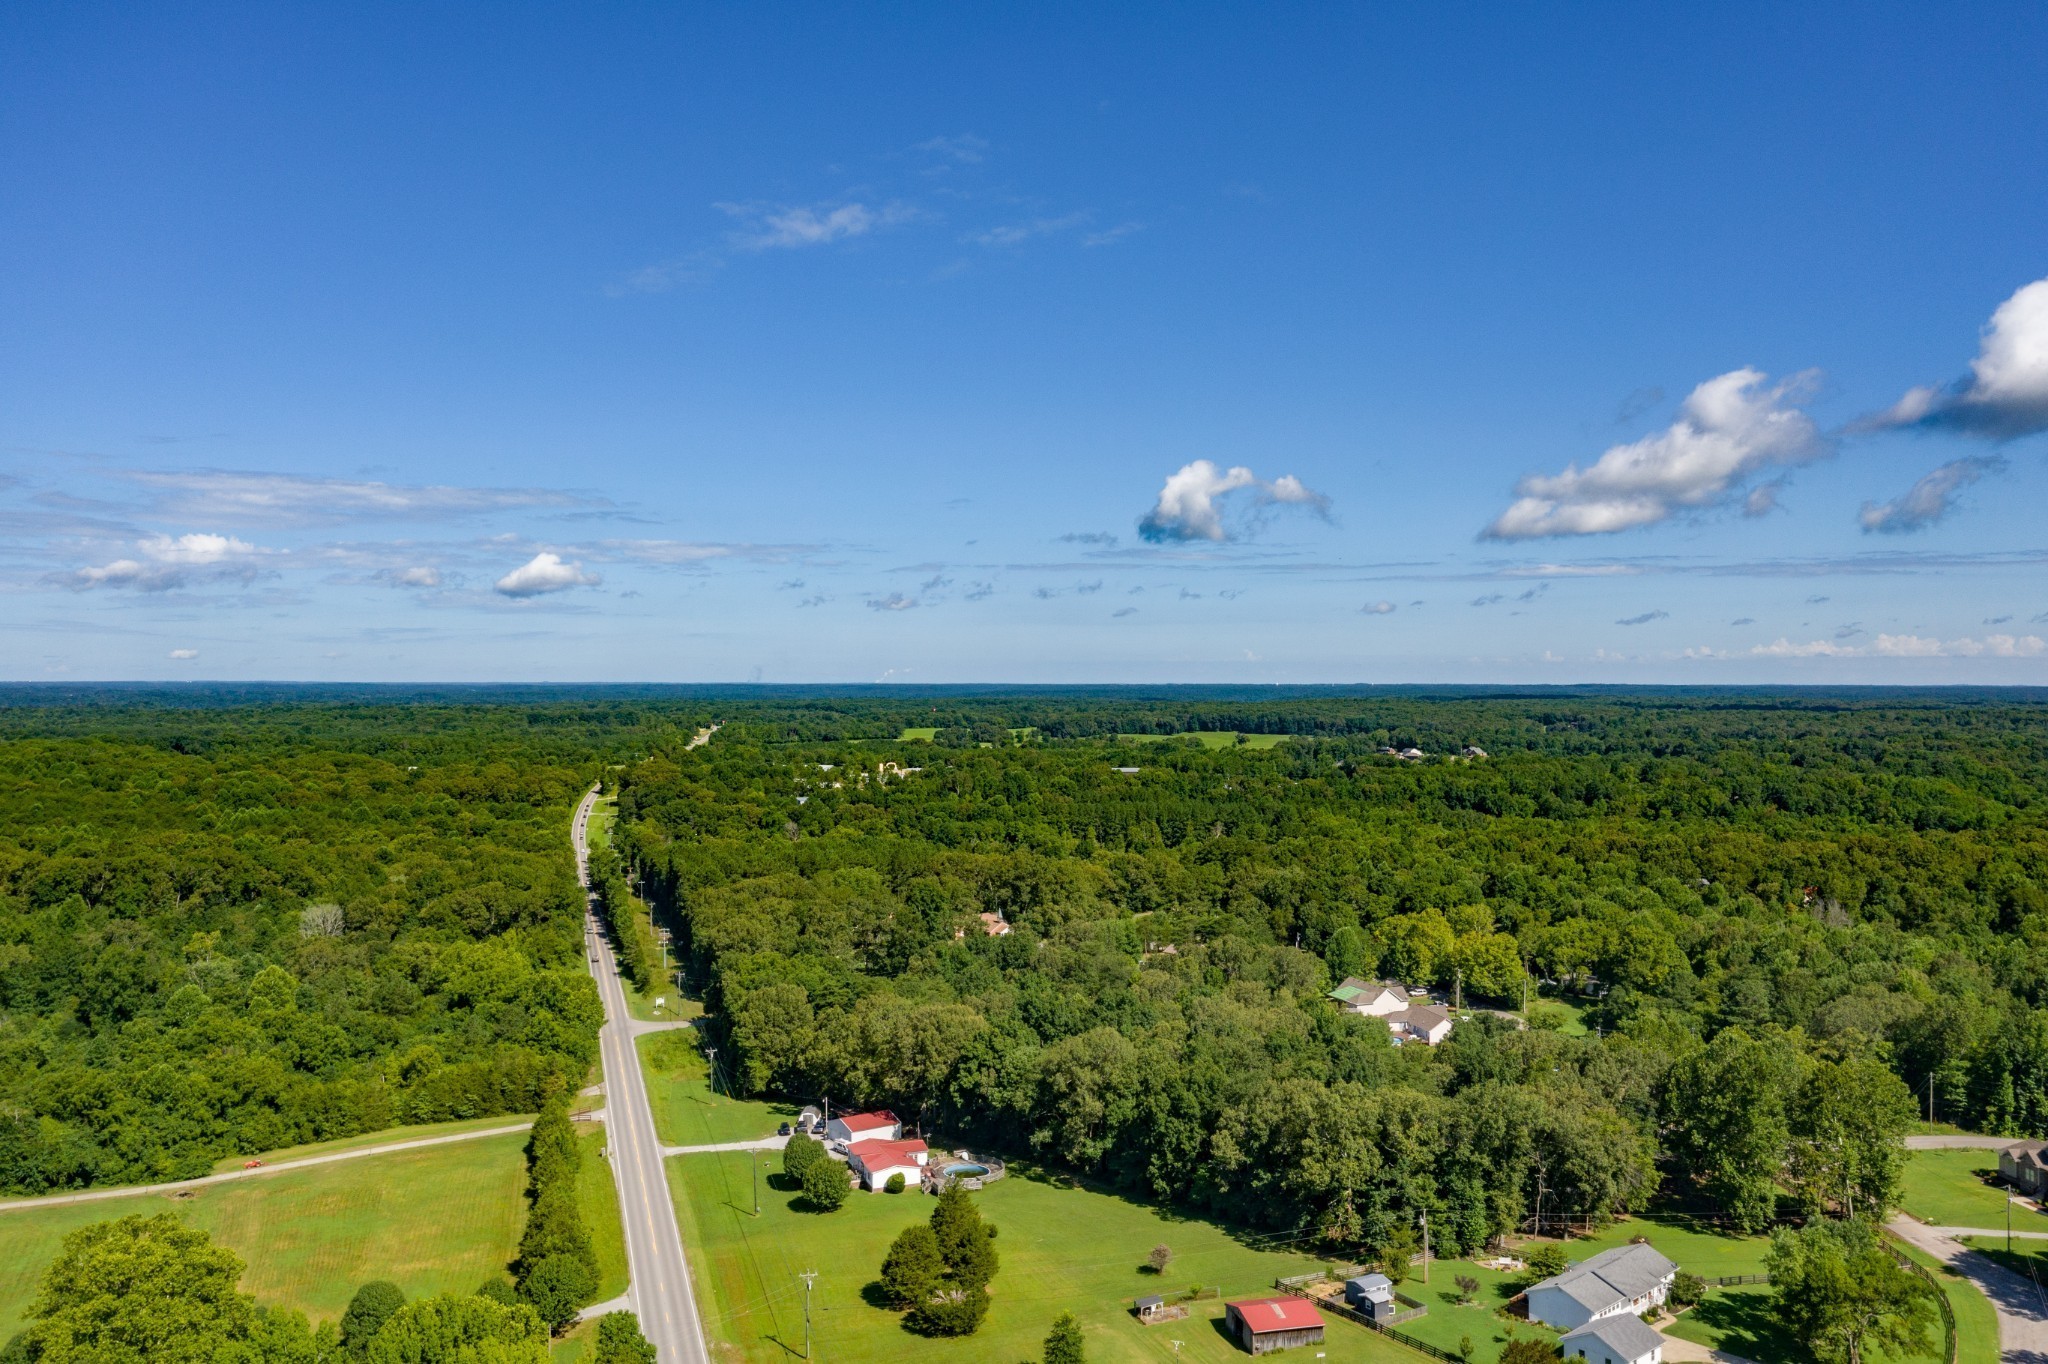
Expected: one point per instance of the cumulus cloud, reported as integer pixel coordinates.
(812, 225)
(895, 601)
(420, 575)
(2006, 394)
(184, 655)
(164, 562)
(1929, 500)
(1378, 608)
(1910, 646)
(544, 573)
(1188, 510)
(1729, 428)
(1645, 618)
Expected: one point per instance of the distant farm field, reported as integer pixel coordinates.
(1209, 738)
(442, 1219)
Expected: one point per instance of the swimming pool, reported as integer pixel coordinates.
(964, 1169)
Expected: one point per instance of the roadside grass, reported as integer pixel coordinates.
(686, 1112)
(1062, 1247)
(1976, 1319)
(1951, 1188)
(440, 1220)
(574, 1346)
(597, 1194)
(357, 1143)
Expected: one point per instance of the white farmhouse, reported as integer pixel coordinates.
(1625, 1281)
(1614, 1340)
(874, 1161)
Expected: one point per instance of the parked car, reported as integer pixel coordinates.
(783, 1130)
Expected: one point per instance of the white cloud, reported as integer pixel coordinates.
(813, 225)
(1187, 507)
(543, 573)
(1112, 235)
(895, 601)
(1378, 608)
(183, 655)
(1728, 428)
(422, 575)
(166, 562)
(967, 149)
(2006, 394)
(1910, 646)
(1645, 618)
(232, 495)
(1013, 234)
(1932, 498)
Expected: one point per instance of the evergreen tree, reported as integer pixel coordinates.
(913, 1268)
(1064, 1344)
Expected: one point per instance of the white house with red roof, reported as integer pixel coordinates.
(850, 1129)
(875, 1161)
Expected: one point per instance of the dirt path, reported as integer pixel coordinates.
(381, 1149)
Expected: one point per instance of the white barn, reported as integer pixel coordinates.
(1625, 1281)
(849, 1129)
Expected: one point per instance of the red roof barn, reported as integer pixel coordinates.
(1263, 1324)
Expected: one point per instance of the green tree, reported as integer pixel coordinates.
(371, 1306)
(966, 1242)
(799, 1155)
(152, 1289)
(1730, 1132)
(1544, 1259)
(557, 1288)
(1530, 1350)
(895, 1183)
(1848, 1125)
(913, 1268)
(1063, 1344)
(825, 1184)
(956, 1310)
(619, 1340)
(472, 1330)
(1840, 1293)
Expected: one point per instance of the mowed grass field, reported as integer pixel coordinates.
(1953, 1189)
(1209, 738)
(686, 1112)
(437, 1220)
(597, 1193)
(388, 1135)
(1062, 1249)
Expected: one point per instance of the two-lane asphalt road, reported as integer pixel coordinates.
(660, 1277)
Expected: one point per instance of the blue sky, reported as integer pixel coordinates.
(965, 343)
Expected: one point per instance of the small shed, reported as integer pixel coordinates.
(1372, 1294)
(1262, 1325)
(1150, 1307)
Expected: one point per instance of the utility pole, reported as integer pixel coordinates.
(2008, 1219)
(755, 1163)
(1458, 991)
(807, 1276)
(711, 1054)
(1425, 1247)
(1930, 1098)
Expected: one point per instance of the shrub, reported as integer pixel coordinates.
(953, 1311)
(1468, 1287)
(1544, 1260)
(619, 1340)
(1159, 1259)
(1688, 1289)
(557, 1288)
(895, 1184)
(825, 1184)
(1530, 1350)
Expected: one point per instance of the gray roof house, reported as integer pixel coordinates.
(1614, 1340)
(2025, 1166)
(1628, 1280)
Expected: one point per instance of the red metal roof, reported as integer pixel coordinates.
(880, 1155)
(867, 1122)
(1277, 1314)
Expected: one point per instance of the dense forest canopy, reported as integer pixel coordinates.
(236, 918)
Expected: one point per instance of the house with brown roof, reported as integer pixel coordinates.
(2024, 1165)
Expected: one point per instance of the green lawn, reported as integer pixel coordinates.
(686, 1112)
(1741, 1321)
(597, 1194)
(389, 1134)
(918, 734)
(1950, 1189)
(1210, 738)
(1062, 1249)
(1976, 1318)
(437, 1220)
